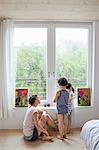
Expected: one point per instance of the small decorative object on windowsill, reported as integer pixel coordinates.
(84, 98)
(21, 97)
(47, 105)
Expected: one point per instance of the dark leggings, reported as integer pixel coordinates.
(35, 135)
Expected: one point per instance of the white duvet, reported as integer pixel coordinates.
(90, 134)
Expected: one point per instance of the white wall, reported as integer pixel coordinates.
(80, 114)
(78, 10)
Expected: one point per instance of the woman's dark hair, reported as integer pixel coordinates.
(32, 99)
(69, 85)
(63, 81)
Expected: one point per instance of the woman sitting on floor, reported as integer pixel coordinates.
(36, 121)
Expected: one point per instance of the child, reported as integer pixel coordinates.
(70, 89)
(61, 97)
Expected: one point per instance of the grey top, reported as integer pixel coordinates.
(62, 102)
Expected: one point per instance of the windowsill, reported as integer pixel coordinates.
(53, 106)
(83, 106)
(40, 106)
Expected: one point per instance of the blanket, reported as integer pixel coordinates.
(90, 134)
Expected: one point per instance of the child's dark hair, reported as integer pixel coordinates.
(32, 99)
(69, 85)
(63, 81)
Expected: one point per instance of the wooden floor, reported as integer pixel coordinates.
(13, 140)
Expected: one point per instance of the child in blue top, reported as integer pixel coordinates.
(61, 98)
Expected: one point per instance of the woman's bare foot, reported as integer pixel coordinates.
(47, 138)
(60, 137)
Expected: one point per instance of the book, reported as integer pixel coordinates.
(21, 97)
(84, 98)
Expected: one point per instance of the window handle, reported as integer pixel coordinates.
(53, 74)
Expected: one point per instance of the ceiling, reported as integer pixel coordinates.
(50, 9)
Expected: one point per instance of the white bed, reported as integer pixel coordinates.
(90, 134)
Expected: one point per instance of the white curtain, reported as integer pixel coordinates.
(7, 68)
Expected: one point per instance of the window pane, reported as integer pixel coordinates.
(31, 46)
(72, 55)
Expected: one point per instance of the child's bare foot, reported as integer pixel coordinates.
(65, 137)
(60, 137)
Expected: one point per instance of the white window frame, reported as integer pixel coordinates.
(51, 78)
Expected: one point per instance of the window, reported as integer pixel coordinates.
(31, 47)
(72, 55)
(45, 52)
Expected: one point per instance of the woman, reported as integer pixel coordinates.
(32, 126)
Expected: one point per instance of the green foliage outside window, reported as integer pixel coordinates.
(31, 67)
(31, 70)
